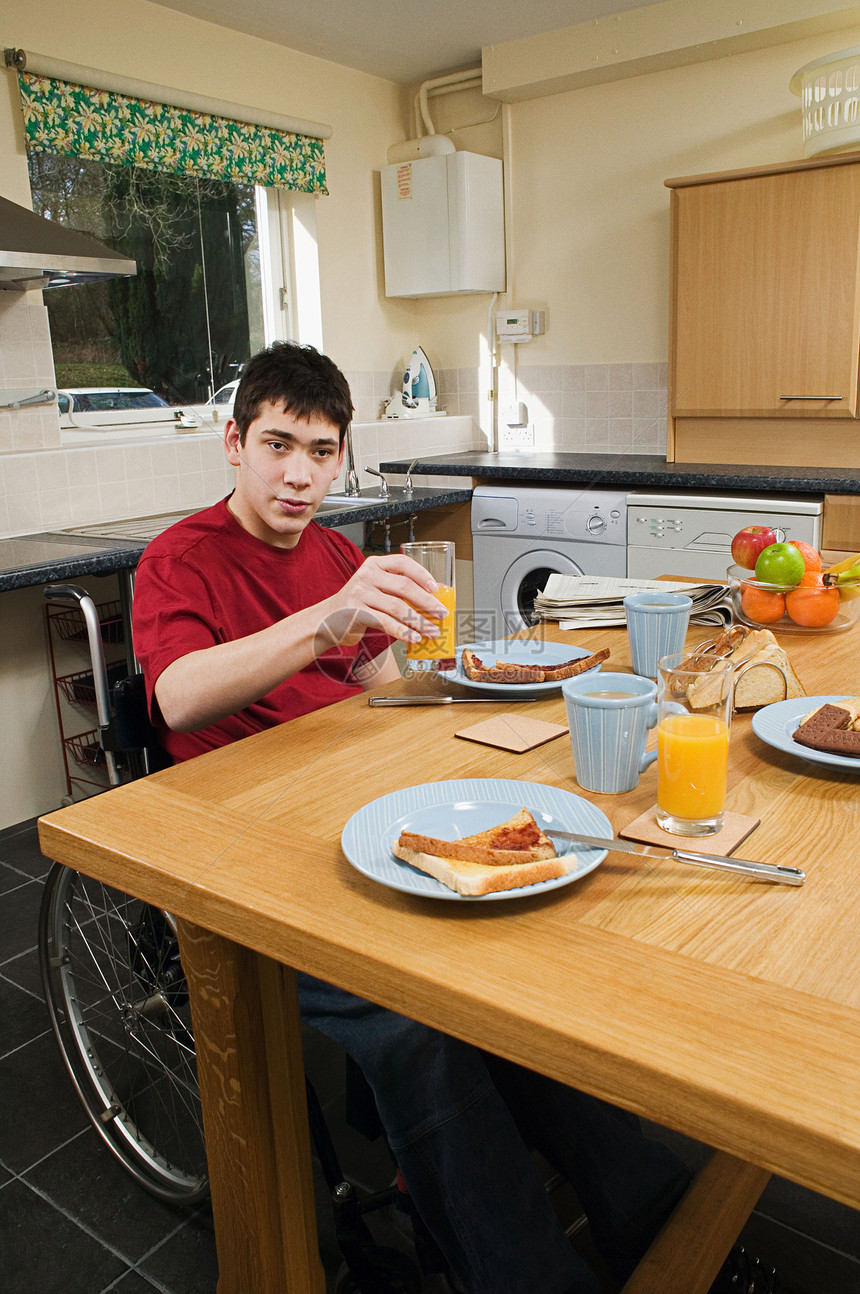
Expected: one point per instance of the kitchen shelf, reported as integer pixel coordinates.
(70, 625)
(86, 749)
(75, 689)
(80, 688)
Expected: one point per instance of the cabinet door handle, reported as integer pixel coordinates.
(811, 397)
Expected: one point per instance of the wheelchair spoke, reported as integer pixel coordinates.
(119, 1007)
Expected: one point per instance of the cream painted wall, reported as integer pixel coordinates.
(590, 235)
(362, 330)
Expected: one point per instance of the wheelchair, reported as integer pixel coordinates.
(119, 1010)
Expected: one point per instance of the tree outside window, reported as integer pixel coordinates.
(193, 314)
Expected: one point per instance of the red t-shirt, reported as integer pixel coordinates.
(207, 581)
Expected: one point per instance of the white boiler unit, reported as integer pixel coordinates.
(443, 226)
(690, 534)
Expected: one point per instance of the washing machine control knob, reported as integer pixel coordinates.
(596, 524)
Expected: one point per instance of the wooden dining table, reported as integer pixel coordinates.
(724, 1008)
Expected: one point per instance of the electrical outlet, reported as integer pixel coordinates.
(516, 437)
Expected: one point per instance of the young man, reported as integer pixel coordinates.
(247, 615)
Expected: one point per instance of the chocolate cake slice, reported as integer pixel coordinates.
(827, 729)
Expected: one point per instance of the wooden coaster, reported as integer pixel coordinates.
(514, 732)
(736, 827)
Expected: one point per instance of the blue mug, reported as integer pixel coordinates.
(609, 717)
(656, 626)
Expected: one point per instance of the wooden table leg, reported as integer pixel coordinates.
(694, 1243)
(245, 1014)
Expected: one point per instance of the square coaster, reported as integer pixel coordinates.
(515, 732)
(736, 827)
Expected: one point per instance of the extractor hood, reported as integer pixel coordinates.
(39, 253)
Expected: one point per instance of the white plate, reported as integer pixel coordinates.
(452, 810)
(776, 723)
(534, 651)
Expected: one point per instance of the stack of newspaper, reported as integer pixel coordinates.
(590, 601)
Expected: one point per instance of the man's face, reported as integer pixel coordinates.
(283, 471)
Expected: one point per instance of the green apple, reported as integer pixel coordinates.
(780, 564)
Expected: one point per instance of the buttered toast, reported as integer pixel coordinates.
(518, 840)
(506, 857)
(512, 672)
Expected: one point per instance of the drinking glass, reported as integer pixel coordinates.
(437, 557)
(694, 702)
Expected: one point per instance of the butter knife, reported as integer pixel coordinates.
(755, 871)
(446, 700)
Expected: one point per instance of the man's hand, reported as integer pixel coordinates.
(392, 593)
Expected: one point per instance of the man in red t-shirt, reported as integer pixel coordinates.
(247, 615)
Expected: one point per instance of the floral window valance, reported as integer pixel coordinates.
(78, 121)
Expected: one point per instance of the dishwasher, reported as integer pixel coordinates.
(690, 535)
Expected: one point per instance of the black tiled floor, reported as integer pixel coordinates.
(72, 1221)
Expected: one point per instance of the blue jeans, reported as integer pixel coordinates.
(458, 1122)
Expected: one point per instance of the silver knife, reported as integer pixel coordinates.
(755, 871)
(446, 700)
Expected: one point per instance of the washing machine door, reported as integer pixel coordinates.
(524, 579)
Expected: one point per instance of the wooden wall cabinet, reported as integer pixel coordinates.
(764, 346)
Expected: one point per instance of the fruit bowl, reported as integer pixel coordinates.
(808, 609)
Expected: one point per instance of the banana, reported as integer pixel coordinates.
(845, 565)
(847, 573)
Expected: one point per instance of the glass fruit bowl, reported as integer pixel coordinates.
(793, 608)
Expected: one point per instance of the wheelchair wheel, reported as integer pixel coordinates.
(119, 1010)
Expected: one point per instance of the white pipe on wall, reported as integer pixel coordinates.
(442, 85)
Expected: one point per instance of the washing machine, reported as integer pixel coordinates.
(522, 534)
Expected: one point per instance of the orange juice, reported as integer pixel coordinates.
(445, 646)
(692, 765)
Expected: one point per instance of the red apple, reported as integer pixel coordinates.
(749, 542)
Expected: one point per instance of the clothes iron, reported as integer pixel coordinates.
(418, 397)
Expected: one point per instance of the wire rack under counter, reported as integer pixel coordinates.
(70, 625)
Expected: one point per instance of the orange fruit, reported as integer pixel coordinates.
(761, 605)
(811, 603)
(811, 556)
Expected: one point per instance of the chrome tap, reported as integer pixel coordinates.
(351, 483)
(383, 489)
(407, 484)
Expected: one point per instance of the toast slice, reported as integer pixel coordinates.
(508, 672)
(762, 684)
(517, 841)
(474, 879)
(749, 650)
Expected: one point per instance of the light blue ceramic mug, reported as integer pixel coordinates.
(656, 626)
(609, 717)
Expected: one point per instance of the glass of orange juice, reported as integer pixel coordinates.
(437, 557)
(694, 702)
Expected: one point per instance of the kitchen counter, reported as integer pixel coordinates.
(60, 556)
(636, 471)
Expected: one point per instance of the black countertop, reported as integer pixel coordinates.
(58, 557)
(633, 471)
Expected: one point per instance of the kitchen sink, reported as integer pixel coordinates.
(133, 528)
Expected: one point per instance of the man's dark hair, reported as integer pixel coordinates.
(299, 379)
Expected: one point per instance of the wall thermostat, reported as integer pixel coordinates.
(519, 325)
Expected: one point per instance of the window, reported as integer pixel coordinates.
(218, 278)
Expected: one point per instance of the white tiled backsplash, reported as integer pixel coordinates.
(601, 408)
